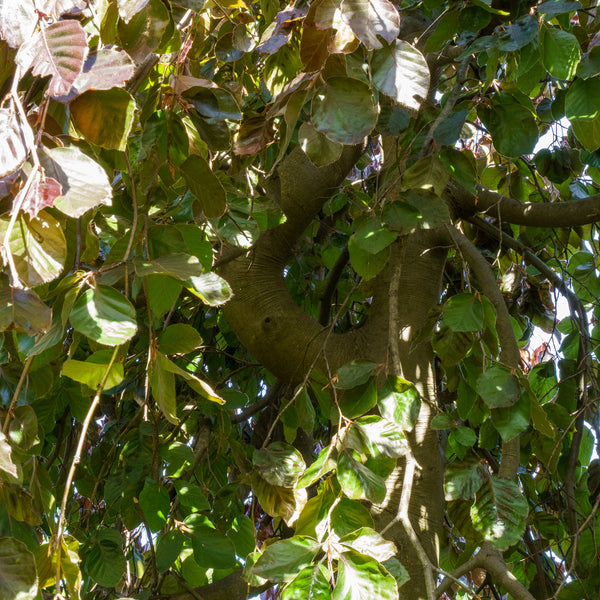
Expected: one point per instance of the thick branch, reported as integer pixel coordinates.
(546, 214)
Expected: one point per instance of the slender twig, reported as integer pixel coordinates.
(82, 437)
(15, 397)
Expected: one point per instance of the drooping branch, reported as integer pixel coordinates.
(536, 214)
(509, 353)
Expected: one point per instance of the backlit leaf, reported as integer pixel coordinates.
(38, 247)
(279, 464)
(22, 310)
(104, 315)
(104, 117)
(84, 182)
(283, 559)
(401, 72)
(204, 185)
(369, 19)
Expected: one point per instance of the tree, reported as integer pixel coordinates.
(273, 277)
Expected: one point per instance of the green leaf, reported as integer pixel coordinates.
(178, 265)
(382, 437)
(358, 481)
(370, 543)
(279, 464)
(168, 549)
(362, 578)
(179, 338)
(321, 150)
(499, 512)
(498, 387)
(205, 185)
(191, 495)
(91, 371)
(324, 463)
(162, 383)
(511, 421)
(18, 577)
(84, 182)
(355, 373)
(104, 560)
(344, 111)
(38, 247)
(210, 288)
(463, 312)
(463, 481)
(399, 401)
(350, 515)
(365, 263)
(198, 385)
(104, 117)
(582, 108)
(511, 125)
(104, 315)
(282, 560)
(397, 571)
(212, 549)
(155, 502)
(242, 534)
(557, 7)
(560, 52)
(373, 237)
(163, 292)
(23, 427)
(401, 72)
(278, 501)
(311, 583)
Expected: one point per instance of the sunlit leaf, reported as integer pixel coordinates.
(279, 464)
(84, 182)
(499, 512)
(16, 141)
(58, 50)
(401, 72)
(283, 559)
(362, 578)
(38, 247)
(370, 19)
(104, 315)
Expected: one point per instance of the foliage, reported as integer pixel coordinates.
(218, 319)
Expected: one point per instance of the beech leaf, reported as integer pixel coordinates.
(15, 142)
(41, 194)
(58, 50)
(369, 19)
(84, 182)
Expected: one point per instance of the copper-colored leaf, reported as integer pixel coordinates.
(21, 309)
(42, 194)
(58, 50)
(371, 18)
(103, 70)
(254, 135)
(314, 45)
(15, 142)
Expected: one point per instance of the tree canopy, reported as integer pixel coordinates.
(279, 307)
